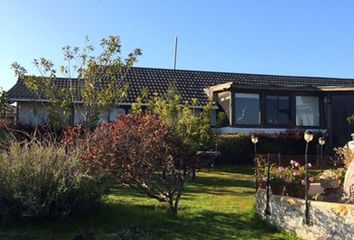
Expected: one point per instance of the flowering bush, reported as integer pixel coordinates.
(289, 180)
(277, 179)
(295, 180)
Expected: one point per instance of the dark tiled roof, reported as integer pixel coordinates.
(190, 84)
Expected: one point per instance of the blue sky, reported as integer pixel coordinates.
(294, 37)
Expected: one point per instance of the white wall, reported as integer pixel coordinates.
(80, 115)
(32, 113)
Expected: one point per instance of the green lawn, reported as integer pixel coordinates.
(218, 205)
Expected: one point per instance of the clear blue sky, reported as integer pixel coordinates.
(293, 37)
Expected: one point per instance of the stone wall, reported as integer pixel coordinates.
(330, 221)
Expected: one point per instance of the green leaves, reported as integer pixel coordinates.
(103, 75)
(192, 125)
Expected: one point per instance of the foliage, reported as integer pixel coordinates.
(350, 119)
(40, 180)
(235, 149)
(342, 155)
(139, 151)
(340, 172)
(191, 125)
(108, 67)
(292, 178)
(238, 149)
(4, 104)
(218, 205)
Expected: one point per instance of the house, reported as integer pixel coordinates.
(251, 102)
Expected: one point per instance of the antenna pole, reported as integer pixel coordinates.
(175, 57)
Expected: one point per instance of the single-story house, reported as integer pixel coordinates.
(251, 102)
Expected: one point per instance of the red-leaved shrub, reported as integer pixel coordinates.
(139, 151)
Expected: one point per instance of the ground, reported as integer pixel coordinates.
(219, 204)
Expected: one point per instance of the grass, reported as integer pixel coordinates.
(219, 204)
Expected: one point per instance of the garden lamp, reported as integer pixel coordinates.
(308, 136)
(322, 141)
(254, 140)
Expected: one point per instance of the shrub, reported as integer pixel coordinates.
(42, 181)
(291, 179)
(139, 151)
(238, 149)
(342, 155)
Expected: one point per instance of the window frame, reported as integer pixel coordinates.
(319, 111)
(265, 109)
(259, 110)
(228, 111)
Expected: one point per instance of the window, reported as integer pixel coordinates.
(277, 110)
(224, 99)
(307, 111)
(247, 108)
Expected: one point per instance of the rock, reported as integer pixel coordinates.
(349, 181)
(330, 195)
(329, 179)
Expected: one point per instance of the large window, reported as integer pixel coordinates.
(247, 108)
(277, 110)
(307, 111)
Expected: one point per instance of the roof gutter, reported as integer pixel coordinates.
(81, 102)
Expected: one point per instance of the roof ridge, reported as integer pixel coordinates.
(243, 73)
(229, 73)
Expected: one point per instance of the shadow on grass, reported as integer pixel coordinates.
(155, 221)
(128, 208)
(247, 170)
(221, 182)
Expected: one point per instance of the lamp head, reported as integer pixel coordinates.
(308, 136)
(322, 141)
(254, 139)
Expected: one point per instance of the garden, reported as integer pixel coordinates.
(314, 204)
(159, 172)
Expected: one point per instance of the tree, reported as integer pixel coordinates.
(100, 81)
(191, 125)
(139, 151)
(152, 150)
(4, 104)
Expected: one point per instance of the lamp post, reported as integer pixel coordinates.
(321, 141)
(254, 140)
(308, 136)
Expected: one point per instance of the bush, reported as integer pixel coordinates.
(139, 151)
(238, 149)
(42, 181)
(342, 155)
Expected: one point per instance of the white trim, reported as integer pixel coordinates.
(235, 130)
